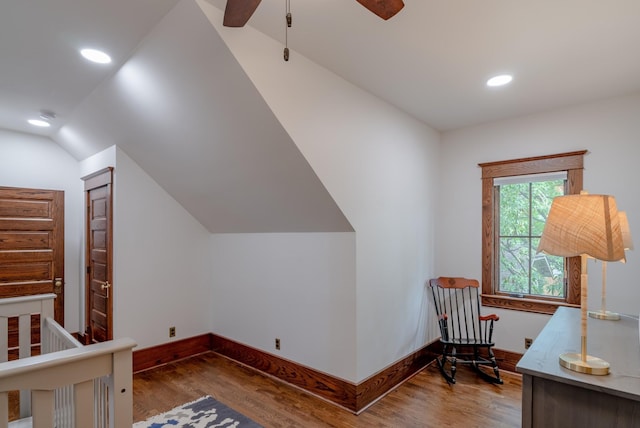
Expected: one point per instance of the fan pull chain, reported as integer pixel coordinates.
(286, 30)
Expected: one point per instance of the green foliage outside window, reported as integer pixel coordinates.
(524, 208)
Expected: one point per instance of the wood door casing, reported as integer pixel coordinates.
(32, 244)
(99, 275)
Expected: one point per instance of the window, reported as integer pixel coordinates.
(516, 197)
(523, 204)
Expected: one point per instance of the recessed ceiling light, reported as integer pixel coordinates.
(95, 55)
(39, 122)
(500, 80)
(46, 116)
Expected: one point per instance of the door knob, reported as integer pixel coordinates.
(57, 285)
(105, 287)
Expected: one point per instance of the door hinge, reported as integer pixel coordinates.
(88, 270)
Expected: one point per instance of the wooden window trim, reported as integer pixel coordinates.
(573, 164)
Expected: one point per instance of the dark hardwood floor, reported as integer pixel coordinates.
(425, 400)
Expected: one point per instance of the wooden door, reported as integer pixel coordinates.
(99, 277)
(32, 244)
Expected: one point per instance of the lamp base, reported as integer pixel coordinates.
(604, 315)
(593, 365)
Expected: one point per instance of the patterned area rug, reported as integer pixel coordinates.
(205, 412)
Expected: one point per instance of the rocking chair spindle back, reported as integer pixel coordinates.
(466, 335)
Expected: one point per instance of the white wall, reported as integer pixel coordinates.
(37, 162)
(161, 263)
(609, 130)
(381, 166)
(298, 287)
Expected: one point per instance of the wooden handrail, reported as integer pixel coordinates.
(35, 304)
(80, 367)
(30, 369)
(106, 366)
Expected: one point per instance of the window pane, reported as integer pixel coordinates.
(514, 209)
(542, 194)
(524, 207)
(514, 265)
(547, 274)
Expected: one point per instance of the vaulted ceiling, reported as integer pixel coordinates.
(431, 59)
(185, 126)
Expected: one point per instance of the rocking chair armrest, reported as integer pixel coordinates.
(491, 317)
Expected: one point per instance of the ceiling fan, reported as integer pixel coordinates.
(238, 12)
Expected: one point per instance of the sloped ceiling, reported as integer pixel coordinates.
(185, 111)
(177, 102)
(433, 58)
(40, 67)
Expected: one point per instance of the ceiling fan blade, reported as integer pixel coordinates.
(385, 9)
(238, 12)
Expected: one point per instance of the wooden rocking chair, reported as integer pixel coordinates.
(462, 328)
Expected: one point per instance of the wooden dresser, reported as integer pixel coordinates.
(553, 396)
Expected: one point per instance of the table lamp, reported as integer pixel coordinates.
(587, 226)
(603, 313)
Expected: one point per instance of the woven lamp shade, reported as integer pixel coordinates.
(627, 243)
(583, 225)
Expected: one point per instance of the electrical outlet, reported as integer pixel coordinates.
(527, 342)
(277, 344)
(172, 332)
